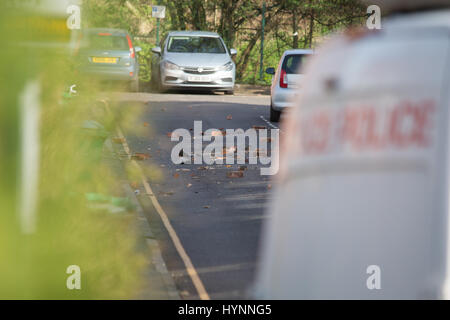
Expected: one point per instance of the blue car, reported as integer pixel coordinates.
(109, 54)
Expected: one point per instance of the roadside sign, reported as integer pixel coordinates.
(159, 12)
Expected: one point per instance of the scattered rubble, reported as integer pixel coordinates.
(259, 127)
(235, 174)
(140, 156)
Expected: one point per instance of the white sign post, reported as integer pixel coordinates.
(158, 12)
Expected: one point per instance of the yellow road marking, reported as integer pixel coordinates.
(192, 272)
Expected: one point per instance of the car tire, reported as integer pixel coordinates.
(134, 85)
(274, 114)
(156, 84)
(229, 92)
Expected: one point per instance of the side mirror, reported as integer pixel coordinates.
(137, 49)
(270, 71)
(233, 52)
(156, 50)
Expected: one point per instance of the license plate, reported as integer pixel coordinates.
(199, 79)
(104, 60)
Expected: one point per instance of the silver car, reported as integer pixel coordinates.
(193, 59)
(286, 80)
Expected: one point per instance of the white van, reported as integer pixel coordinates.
(361, 208)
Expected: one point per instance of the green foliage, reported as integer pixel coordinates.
(68, 231)
(289, 24)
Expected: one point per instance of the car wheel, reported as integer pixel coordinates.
(274, 114)
(229, 92)
(156, 84)
(134, 85)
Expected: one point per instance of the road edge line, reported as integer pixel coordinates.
(192, 272)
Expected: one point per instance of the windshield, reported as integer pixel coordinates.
(292, 63)
(106, 41)
(190, 44)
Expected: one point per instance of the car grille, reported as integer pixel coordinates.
(205, 71)
(201, 82)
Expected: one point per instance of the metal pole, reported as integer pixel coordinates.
(157, 32)
(263, 24)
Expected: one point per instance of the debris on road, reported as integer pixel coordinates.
(168, 193)
(176, 175)
(140, 156)
(235, 174)
(261, 153)
(259, 127)
(229, 117)
(146, 124)
(266, 139)
(206, 207)
(217, 133)
(189, 185)
(231, 149)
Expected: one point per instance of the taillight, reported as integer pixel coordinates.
(283, 79)
(130, 45)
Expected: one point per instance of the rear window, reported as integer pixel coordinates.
(189, 44)
(107, 42)
(293, 62)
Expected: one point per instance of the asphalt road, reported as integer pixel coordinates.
(218, 219)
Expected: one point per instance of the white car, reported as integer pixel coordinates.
(193, 60)
(286, 81)
(361, 207)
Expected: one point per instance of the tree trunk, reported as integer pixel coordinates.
(180, 13)
(294, 30)
(173, 15)
(198, 15)
(311, 29)
(245, 56)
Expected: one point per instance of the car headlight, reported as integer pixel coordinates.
(170, 66)
(227, 66)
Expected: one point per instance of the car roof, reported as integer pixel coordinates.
(115, 32)
(194, 33)
(298, 51)
(420, 20)
(399, 6)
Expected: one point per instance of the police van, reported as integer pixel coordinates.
(361, 207)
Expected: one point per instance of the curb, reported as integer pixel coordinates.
(143, 227)
(152, 246)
